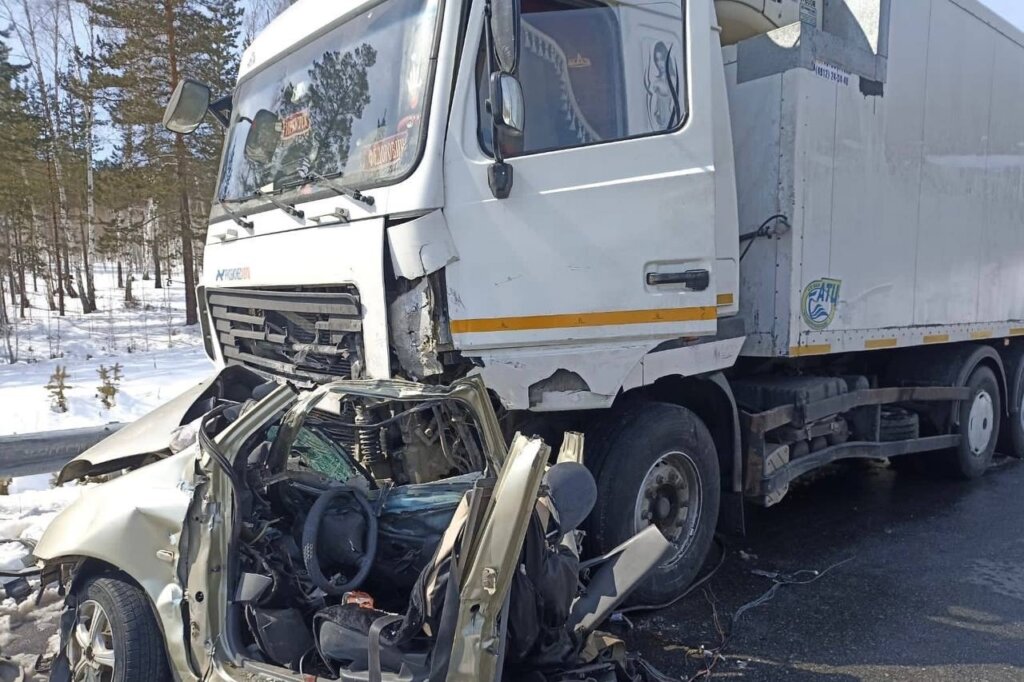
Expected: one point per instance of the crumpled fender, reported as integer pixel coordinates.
(134, 523)
(152, 434)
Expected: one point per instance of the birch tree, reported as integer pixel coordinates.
(37, 26)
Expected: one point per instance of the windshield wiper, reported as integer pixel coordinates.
(340, 189)
(239, 219)
(290, 209)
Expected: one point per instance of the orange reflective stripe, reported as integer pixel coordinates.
(576, 320)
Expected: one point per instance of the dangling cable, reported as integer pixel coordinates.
(769, 228)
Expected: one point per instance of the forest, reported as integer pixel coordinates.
(88, 173)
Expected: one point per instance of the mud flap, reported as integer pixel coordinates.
(731, 514)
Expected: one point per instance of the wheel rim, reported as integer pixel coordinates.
(671, 499)
(91, 645)
(981, 422)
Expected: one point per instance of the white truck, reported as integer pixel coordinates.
(731, 242)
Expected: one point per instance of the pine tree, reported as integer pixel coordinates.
(82, 89)
(193, 38)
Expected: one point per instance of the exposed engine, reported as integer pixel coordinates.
(424, 443)
(346, 510)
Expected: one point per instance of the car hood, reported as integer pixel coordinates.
(150, 437)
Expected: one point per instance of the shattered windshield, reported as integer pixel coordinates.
(350, 103)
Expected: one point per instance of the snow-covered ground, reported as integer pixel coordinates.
(159, 357)
(150, 379)
(28, 630)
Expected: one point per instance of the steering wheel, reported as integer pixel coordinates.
(311, 534)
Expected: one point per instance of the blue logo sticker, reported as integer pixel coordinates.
(820, 300)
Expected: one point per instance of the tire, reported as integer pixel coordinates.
(1012, 436)
(899, 424)
(115, 636)
(978, 425)
(667, 451)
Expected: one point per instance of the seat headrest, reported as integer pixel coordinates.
(573, 493)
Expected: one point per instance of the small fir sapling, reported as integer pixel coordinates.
(58, 387)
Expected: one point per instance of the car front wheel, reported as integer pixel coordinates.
(114, 636)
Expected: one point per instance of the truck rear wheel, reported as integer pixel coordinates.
(1012, 440)
(979, 420)
(658, 466)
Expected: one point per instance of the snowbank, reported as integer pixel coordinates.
(158, 355)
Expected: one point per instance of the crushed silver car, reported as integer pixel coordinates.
(362, 531)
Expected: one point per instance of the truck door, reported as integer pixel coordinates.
(608, 234)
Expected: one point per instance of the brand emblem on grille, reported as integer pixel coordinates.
(233, 274)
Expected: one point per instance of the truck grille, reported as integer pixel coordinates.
(303, 336)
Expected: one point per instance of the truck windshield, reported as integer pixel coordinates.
(351, 103)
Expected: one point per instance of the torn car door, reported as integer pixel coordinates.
(207, 541)
(478, 649)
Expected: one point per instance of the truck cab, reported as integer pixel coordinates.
(356, 209)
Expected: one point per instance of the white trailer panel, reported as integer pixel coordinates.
(896, 153)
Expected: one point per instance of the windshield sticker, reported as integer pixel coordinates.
(296, 125)
(385, 152)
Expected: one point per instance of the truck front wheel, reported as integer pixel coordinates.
(658, 466)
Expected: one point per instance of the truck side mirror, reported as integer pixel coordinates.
(505, 19)
(188, 107)
(507, 106)
(264, 137)
(508, 112)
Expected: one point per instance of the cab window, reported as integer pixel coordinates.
(595, 72)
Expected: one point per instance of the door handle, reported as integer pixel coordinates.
(697, 280)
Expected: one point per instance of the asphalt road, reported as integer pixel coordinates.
(933, 588)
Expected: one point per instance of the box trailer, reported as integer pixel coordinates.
(731, 242)
(895, 160)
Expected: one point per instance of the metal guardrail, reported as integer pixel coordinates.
(45, 453)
